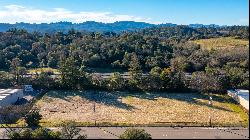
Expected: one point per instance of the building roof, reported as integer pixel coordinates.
(241, 92)
(244, 94)
(6, 92)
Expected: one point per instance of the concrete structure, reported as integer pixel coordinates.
(241, 96)
(10, 96)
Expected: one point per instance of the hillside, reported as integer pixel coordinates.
(90, 26)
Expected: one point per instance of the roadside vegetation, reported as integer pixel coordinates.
(68, 130)
(132, 133)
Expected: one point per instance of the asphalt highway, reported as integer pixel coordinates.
(165, 132)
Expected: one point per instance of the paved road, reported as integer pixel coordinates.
(167, 132)
(108, 75)
(103, 75)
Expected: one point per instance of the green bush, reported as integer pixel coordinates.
(70, 131)
(55, 135)
(132, 133)
(14, 135)
(33, 118)
(44, 133)
(6, 79)
(39, 133)
(26, 134)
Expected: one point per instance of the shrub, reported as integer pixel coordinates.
(14, 135)
(55, 135)
(26, 134)
(132, 133)
(33, 118)
(44, 133)
(115, 81)
(70, 131)
(39, 133)
(6, 79)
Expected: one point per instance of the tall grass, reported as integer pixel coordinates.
(222, 42)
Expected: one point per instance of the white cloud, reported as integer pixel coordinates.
(17, 13)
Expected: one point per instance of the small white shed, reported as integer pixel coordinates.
(10, 96)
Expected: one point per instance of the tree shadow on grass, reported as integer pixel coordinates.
(102, 97)
(191, 98)
(112, 98)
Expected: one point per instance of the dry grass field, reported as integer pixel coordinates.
(138, 108)
(222, 42)
(39, 70)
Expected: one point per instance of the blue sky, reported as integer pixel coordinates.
(222, 12)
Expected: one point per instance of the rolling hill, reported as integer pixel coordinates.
(222, 42)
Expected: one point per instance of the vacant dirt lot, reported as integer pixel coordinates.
(138, 108)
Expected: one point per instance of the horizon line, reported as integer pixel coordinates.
(122, 21)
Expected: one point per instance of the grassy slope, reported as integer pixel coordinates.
(39, 70)
(140, 109)
(222, 42)
(56, 71)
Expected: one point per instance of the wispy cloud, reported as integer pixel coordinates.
(17, 13)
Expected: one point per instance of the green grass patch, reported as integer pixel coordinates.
(244, 116)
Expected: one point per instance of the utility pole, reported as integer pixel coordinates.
(210, 114)
(94, 108)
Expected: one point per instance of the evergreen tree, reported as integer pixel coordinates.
(69, 72)
(15, 65)
(135, 71)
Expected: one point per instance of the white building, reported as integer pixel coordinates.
(10, 96)
(241, 96)
(28, 88)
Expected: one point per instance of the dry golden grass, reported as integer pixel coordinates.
(222, 42)
(137, 108)
(39, 70)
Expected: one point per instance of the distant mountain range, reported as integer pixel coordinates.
(90, 26)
